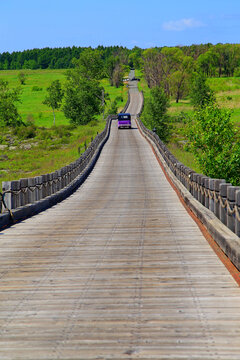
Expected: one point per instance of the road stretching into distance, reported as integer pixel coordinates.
(119, 270)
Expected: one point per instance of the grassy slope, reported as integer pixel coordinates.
(47, 153)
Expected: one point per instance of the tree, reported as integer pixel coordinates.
(9, 115)
(207, 63)
(83, 100)
(159, 67)
(22, 78)
(54, 98)
(83, 95)
(180, 79)
(110, 64)
(152, 67)
(200, 92)
(135, 58)
(215, 143)
(154, 114)
(89, 65)
(171, 59)
(118, 75)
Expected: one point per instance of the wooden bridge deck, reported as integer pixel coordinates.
(117, 271)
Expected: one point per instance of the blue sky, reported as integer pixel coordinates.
(26, 24)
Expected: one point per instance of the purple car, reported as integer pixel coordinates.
(124, 120)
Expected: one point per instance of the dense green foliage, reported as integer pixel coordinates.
(83, 95)
(82, 101)
(154, 113)
(9, 115)
(215, 143)
(54, 97)
(200, 92)
(58, 58)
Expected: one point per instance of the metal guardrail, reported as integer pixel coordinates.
(217, 195)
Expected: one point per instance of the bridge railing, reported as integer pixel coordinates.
(19, 193)
(217, 195)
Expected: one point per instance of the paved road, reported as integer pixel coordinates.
(117, 271)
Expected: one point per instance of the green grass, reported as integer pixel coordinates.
(50, 149)
(31, 101)
(185, 157)
(224, 84)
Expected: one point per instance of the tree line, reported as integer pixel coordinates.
(56, 58)
(214, 60)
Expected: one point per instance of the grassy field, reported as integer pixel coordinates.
(53, 147)
(227, 92)
(47, 148)
(35, 91)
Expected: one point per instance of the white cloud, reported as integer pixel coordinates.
(183, 24)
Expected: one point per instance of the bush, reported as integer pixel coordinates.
(36, 88)
(45, 134)
(93, 123)
(61, 131)
(25, 132)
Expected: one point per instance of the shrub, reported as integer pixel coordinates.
(61, 131)
(93, 123)
(25, 132)
(36, 88)
(45, 134)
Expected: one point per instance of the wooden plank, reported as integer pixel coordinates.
(117, 271)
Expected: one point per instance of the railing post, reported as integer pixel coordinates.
(203, 200)
(59, 176)
(11, 200)
(188, 173)
(199, 183)
(223, 196)
(211, 198)
(231, 191)
(206, 185)
(191, 183)
(31, 192)
(55, 182)
(39, 190)
(24, 193)
(237, 223)
(217, 205)
(194, 190)
(44, 186)
(50, 186)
